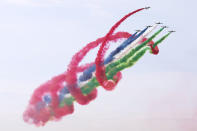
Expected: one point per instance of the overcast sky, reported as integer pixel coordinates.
(39, 37)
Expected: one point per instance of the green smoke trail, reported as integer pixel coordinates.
(133, 51)
(133, 59)
(129, 60)
(161, 40)
(128, 63)
(93, 83)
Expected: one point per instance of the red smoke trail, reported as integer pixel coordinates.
(100, 69)
(39, 113)
(71, 73)
(54, 111)
(155, 50)
(83, 67)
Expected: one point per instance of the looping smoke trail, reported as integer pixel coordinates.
(42, 115)
(54, 99)
(100, 69)
(71, 74)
